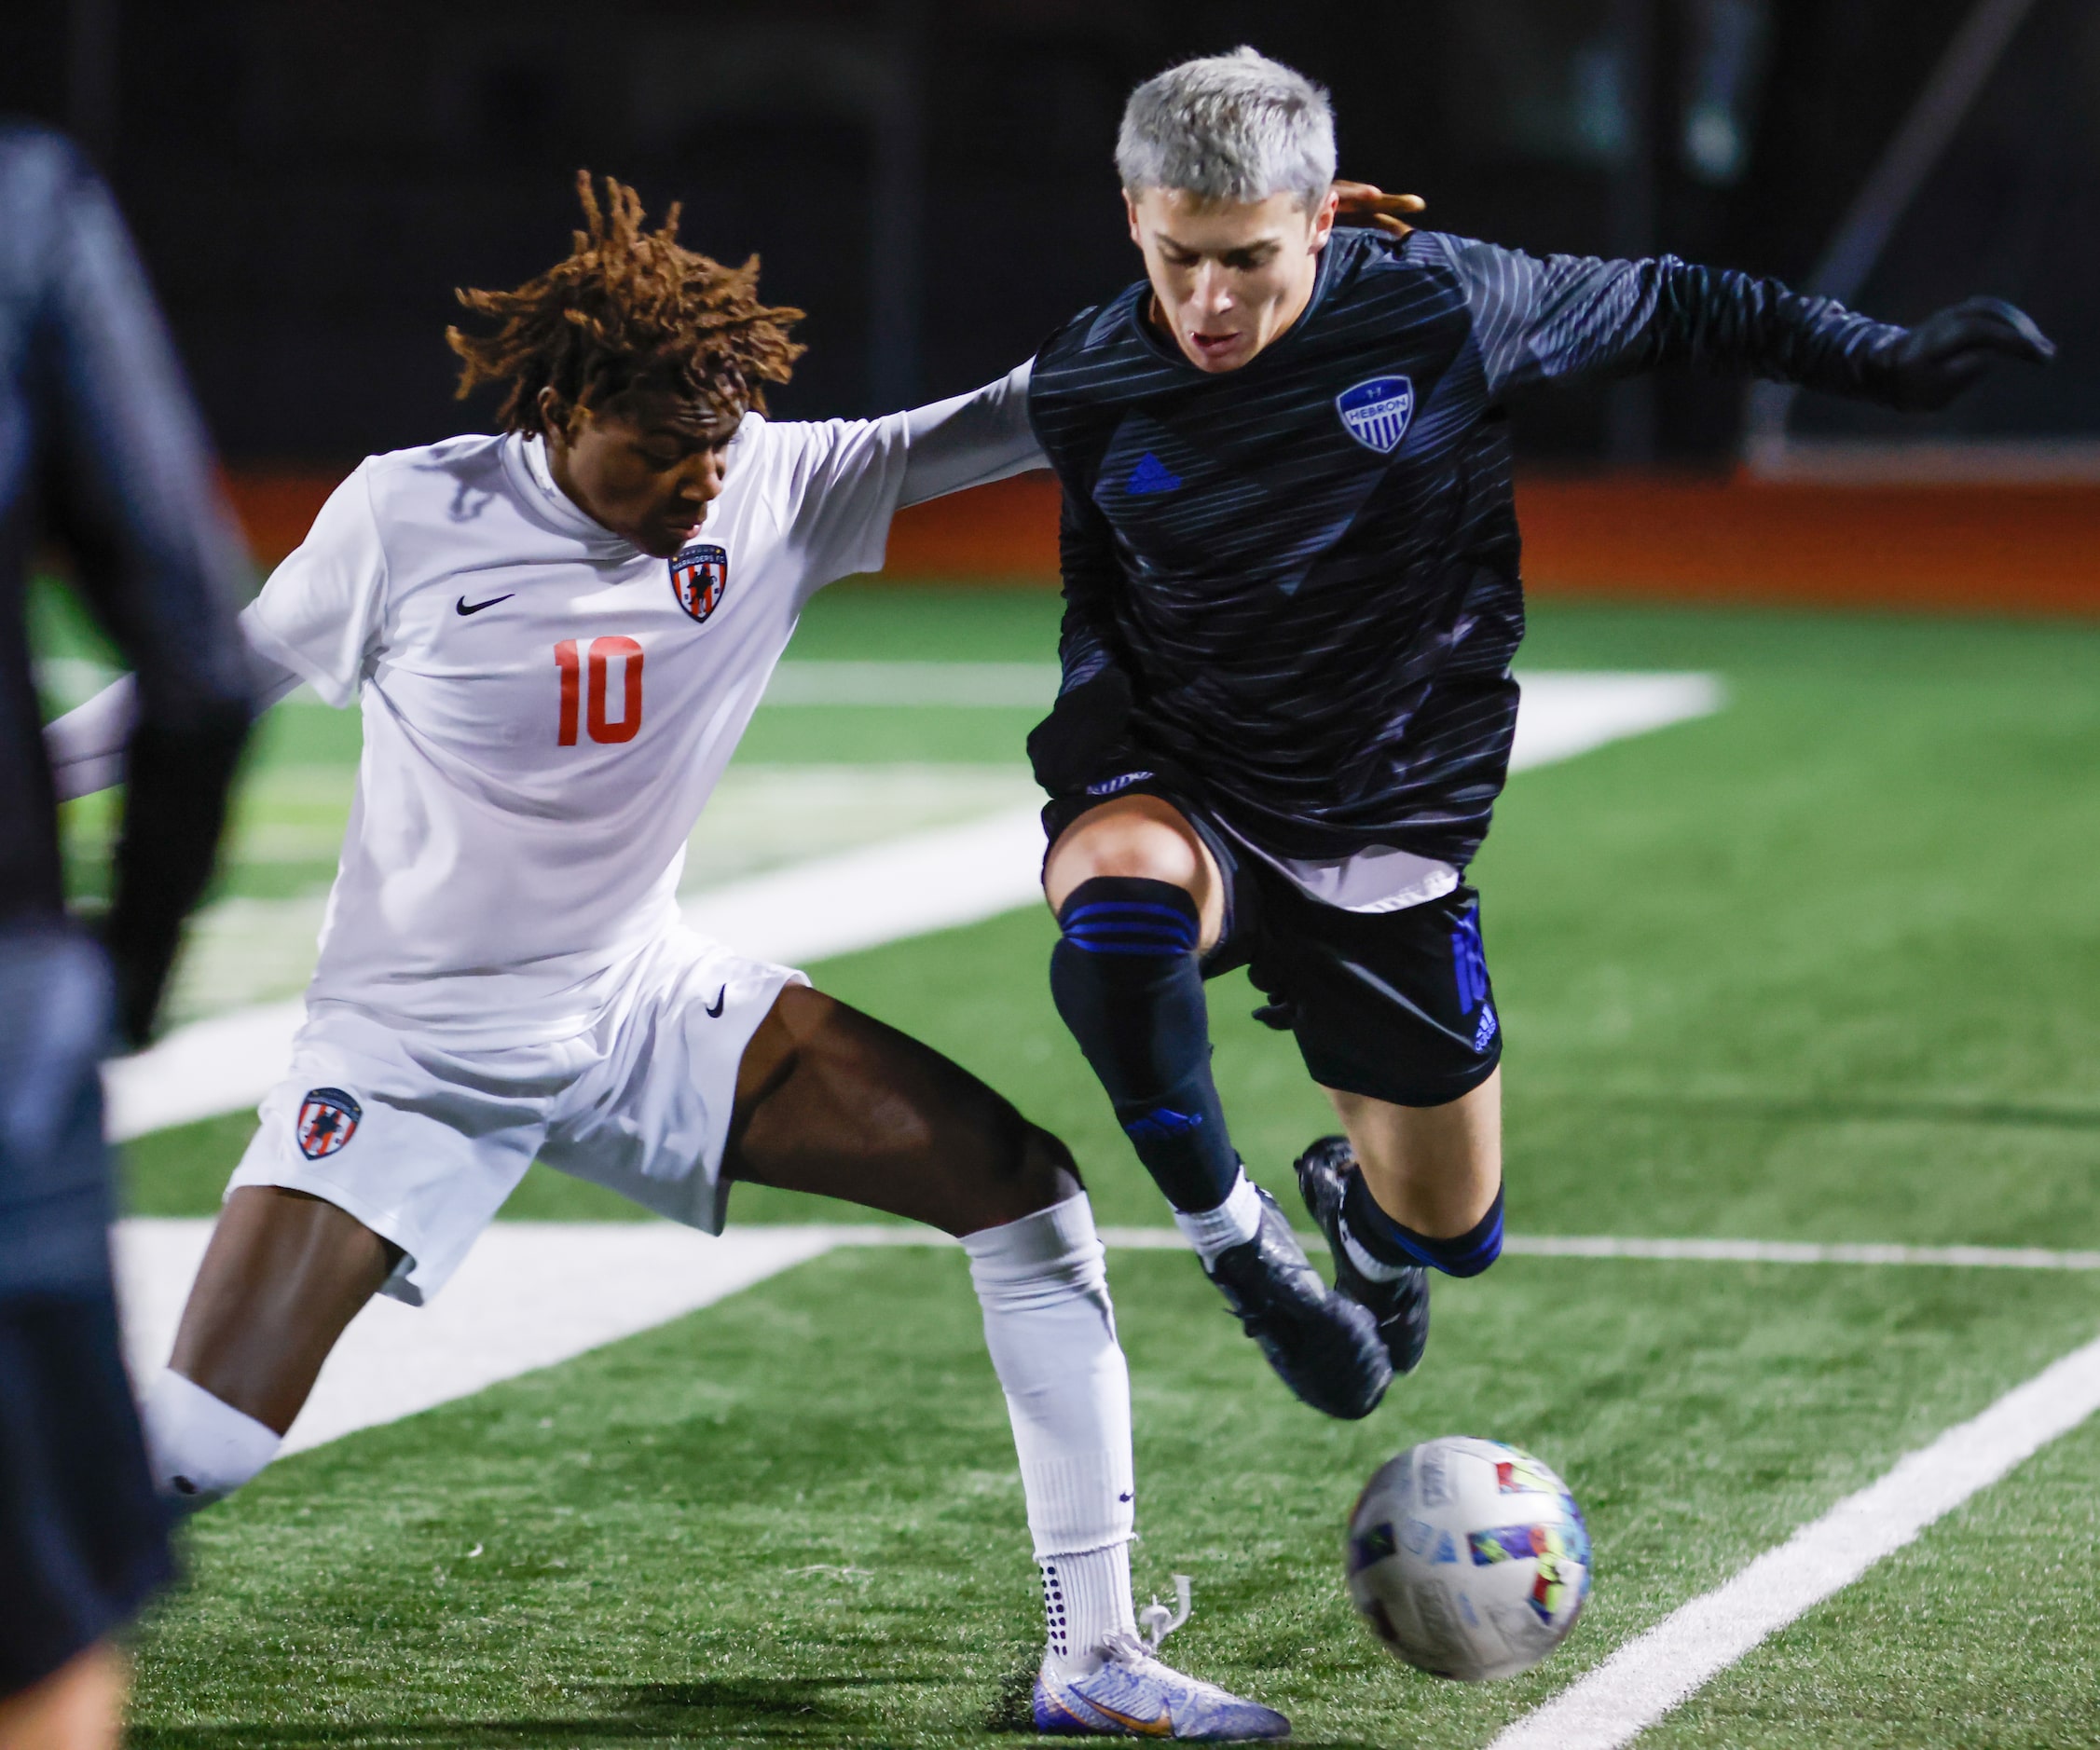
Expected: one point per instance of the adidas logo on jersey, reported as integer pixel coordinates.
(1151, 474)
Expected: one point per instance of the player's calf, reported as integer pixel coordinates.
(282, 1277)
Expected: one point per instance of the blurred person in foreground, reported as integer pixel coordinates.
(1290, 559)
(102, 452)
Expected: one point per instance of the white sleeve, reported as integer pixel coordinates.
(969, 440)
(847, 478)
(321, 613)
(839, 481)
(86, 746)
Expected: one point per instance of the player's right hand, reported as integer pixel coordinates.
(1366, 203)
(1068, 747)
(1926, 367)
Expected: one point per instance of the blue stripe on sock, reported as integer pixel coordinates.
(1149, 926)
(1130, 916)
(1150, 952)
(1114, 927)
(1463, 1254)
(1129, 926)
(1176, 912)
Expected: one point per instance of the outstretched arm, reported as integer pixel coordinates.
(86, 746)
(849, 477)
(969, 440)
(1571, 318)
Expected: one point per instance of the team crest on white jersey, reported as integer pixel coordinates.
(700, 578)
(327, 1121)
(1375, 412)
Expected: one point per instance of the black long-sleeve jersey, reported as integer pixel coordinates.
(1309, 566)
(102, 450)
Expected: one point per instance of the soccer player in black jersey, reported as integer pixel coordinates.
(1291, 581)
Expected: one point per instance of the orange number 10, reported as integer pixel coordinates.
(599, 659)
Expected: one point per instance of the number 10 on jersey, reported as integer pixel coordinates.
(597, 660)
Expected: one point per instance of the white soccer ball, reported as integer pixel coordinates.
(1468, 1558)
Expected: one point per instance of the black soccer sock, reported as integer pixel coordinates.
(1125, 979)
(1395, 1245)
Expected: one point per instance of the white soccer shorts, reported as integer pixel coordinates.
(423, 1143)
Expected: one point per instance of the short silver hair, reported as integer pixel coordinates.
(1229, 128)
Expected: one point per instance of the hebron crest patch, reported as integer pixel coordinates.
(1375, 412)
(700, 578)
(327, 1121)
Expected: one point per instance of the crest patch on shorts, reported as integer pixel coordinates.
(700, 578)
(327, 1121)
(1375, 412)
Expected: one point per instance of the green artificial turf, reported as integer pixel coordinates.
(786, 1520)
(1819, 967)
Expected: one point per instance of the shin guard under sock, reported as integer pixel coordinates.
(1390, 1245)
(1125, 977)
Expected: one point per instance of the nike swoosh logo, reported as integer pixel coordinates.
(463, 606)
(1159, 1726)
(714, 1008)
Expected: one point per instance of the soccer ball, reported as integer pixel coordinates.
(1468, 1558)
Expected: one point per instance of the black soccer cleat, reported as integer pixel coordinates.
(1324, 1345)
(1401, 1307)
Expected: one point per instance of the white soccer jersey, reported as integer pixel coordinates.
(547, 709)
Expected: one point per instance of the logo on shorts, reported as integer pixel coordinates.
(1123, 781)
(1469, 961)
(1375, 412)
(327, 1121)
(700, 578)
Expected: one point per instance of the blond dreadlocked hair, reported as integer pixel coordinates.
(629, 310)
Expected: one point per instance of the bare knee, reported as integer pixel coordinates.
(1137, 838)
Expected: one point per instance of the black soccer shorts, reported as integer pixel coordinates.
(1395, 1005)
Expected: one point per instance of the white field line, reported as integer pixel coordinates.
(1792, 1251)
(839, 903)
(936, 880)
(1655, 1672)
(529, 1295)
(533, 1294)
(1566, 713)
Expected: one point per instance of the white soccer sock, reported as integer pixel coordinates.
(1043, 1283)
(200, 1449)
(1233, 1222)
(1085, 1599)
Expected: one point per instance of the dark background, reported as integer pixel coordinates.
(931, 179)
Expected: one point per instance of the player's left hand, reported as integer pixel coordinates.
(1366, 203)
(1926, 366)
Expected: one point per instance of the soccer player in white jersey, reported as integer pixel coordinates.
(555, 637)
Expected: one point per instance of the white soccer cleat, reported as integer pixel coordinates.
(1133, 1695)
